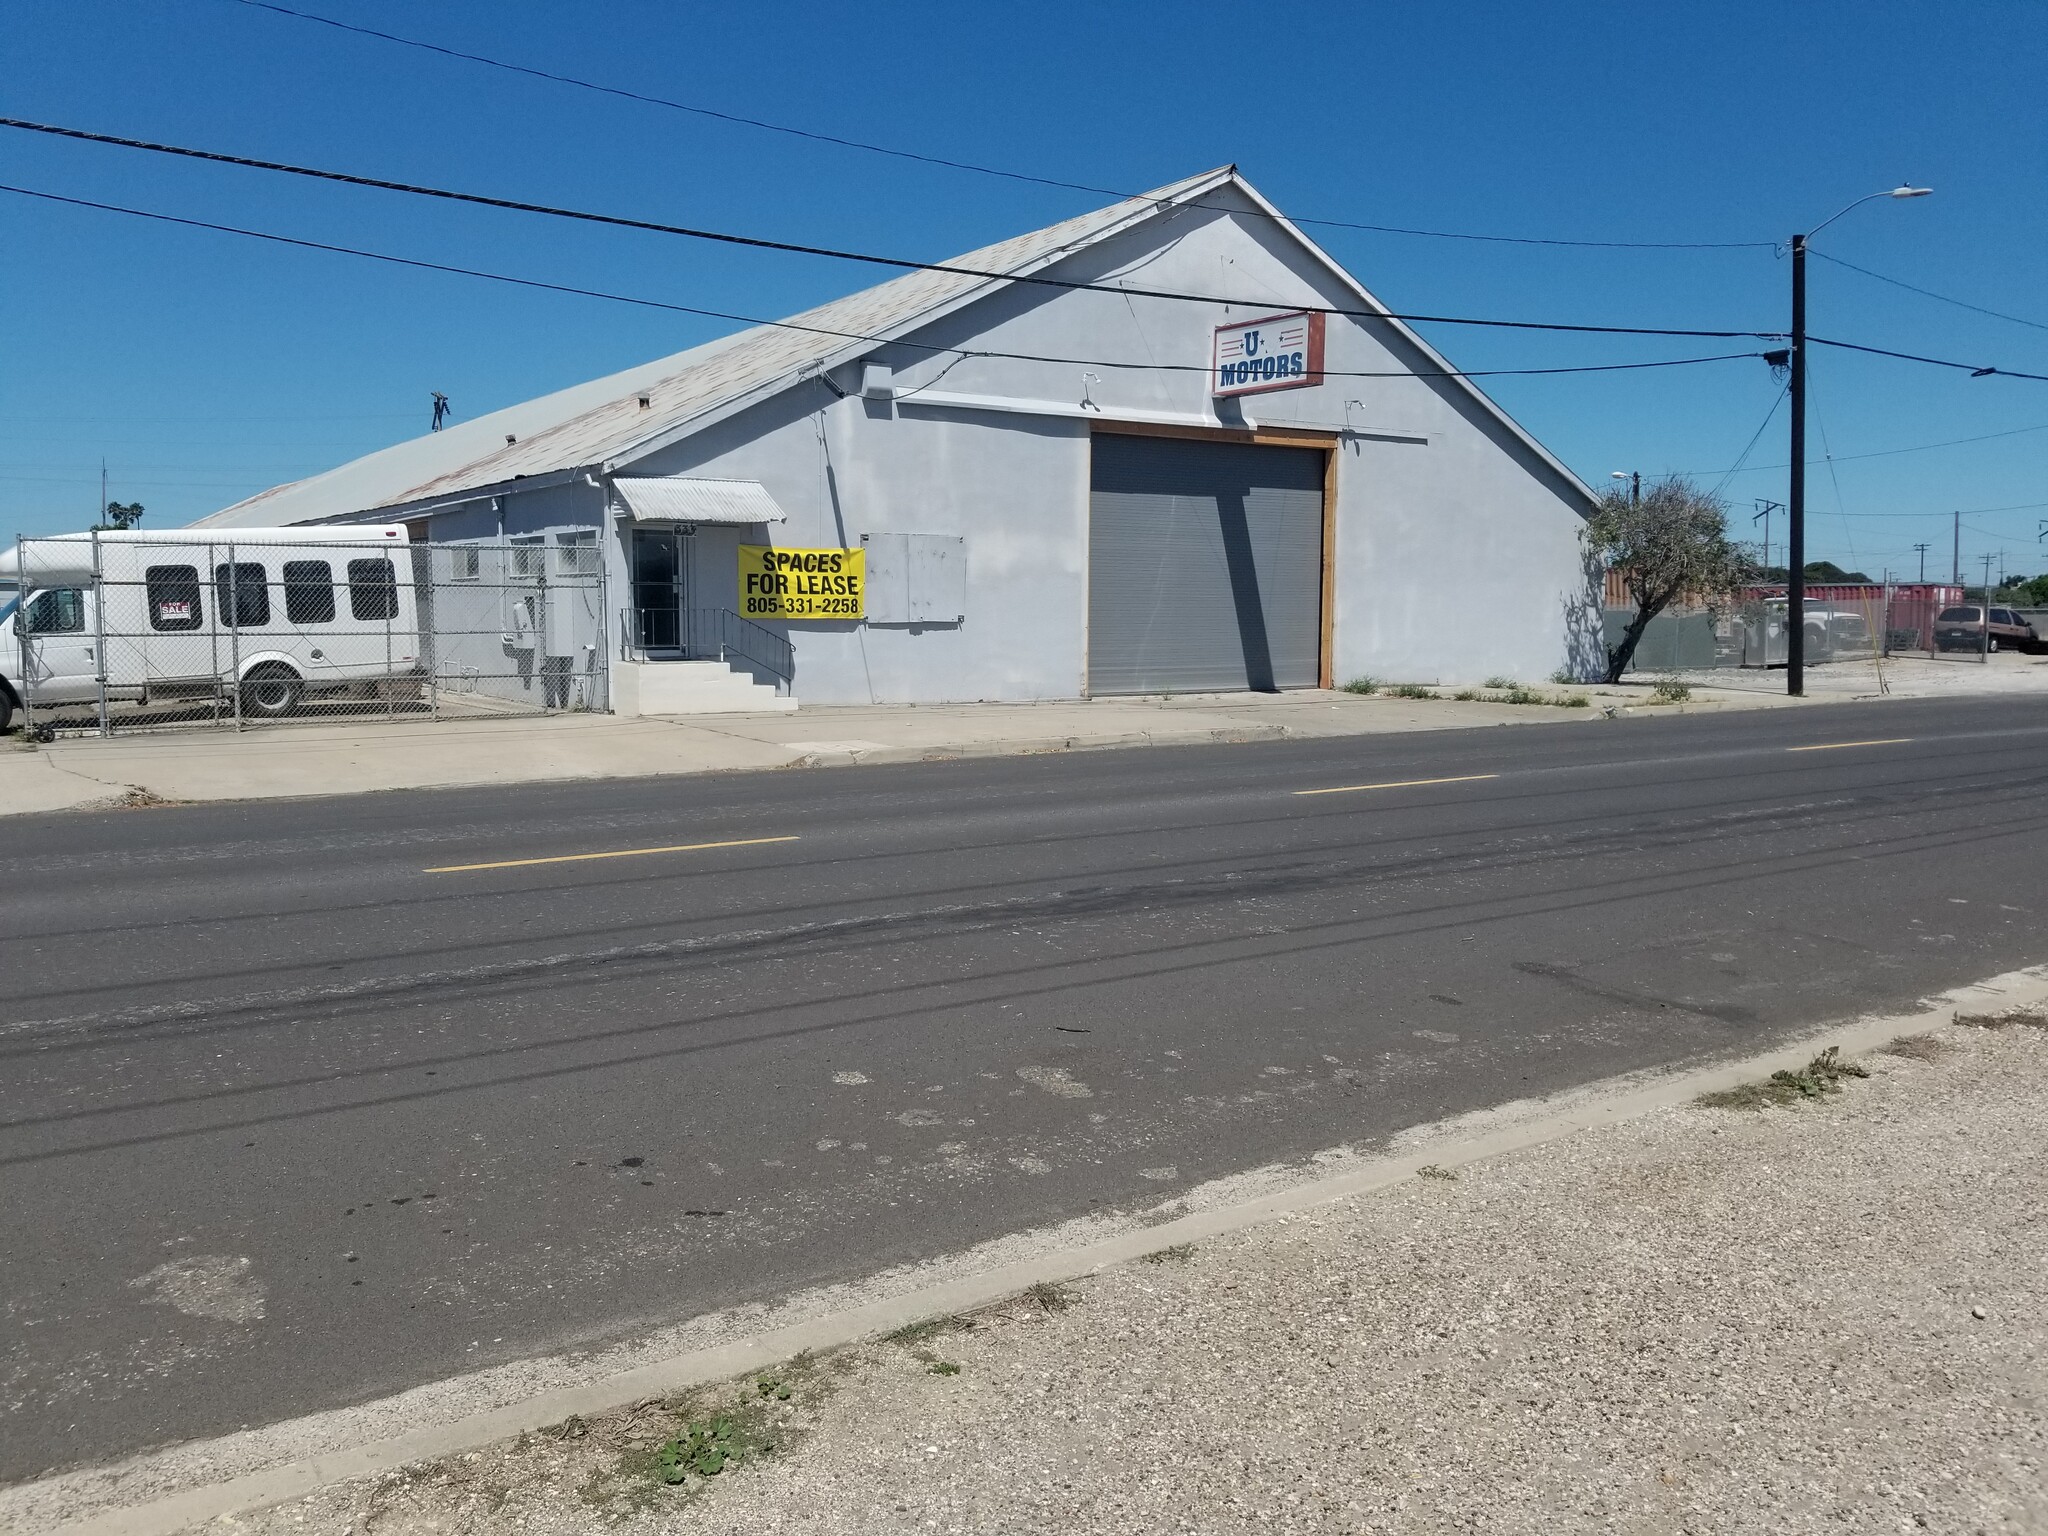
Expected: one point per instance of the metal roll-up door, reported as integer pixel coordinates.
(1204, 566)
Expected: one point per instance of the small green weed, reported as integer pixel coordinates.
(768, 1386)
(1573, 701)
(1411, 691)
(1821, 1076)
(1363, 685)
(705, 1449)
(1432, 1171)
(1467, 694)
(943, 1368)
(1563, 675)
(1179, 1253)
(1502, 682)
(1671, 691)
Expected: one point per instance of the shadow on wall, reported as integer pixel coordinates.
(1585, 627)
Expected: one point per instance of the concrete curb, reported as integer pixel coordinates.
(1024, 746)
(1595, 1105)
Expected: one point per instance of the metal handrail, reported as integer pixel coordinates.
(705, 634)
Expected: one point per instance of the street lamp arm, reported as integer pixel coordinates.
(1899, 192)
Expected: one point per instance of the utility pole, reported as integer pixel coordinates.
(1957, 578)
(101, 516)
(1984, 609)
(1795, 496)
(1795, 511)
(1922, 548)
(1764, 511)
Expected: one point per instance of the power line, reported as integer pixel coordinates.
(1883, 453)
(1975, 370)
(1754, 437)
(755, 242)
(1925, 293)
(647, 99)
(2023, 506)
(790, 325)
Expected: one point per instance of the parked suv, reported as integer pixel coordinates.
(1962, 629)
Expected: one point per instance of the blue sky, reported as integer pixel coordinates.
(204, 367)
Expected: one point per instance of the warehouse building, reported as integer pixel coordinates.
(1212, 465)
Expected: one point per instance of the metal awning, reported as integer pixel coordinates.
(679, 499)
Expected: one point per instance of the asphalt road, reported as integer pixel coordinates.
(295, 1114)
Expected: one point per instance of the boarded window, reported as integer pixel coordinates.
(309, 591)
(60, 611)
(173, 597)
(242, 594)
(372, 590)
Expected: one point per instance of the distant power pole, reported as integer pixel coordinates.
(1957, 578)
(1922, 548)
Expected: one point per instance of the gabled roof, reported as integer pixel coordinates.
(604, 422)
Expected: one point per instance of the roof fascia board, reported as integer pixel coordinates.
(711, 415)
(1408, 334)
(426, 506)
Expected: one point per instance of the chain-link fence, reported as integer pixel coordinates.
(1845, 623)
(123, 631)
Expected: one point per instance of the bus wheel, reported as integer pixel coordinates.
(271, 690)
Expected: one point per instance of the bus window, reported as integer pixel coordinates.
(242, 594)
(308, 592)
(59, 611)
(372, 590)
(173, 597)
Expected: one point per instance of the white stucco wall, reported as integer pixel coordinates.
(1457, 548)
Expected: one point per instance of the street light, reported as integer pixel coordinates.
(1795, 553)
(1635, 484)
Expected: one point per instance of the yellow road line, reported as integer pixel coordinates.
(622, 853)
(1346, 789)
(1836, 746)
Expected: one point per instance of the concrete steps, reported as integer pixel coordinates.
(691, 688)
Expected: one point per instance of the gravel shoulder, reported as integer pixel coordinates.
(1825, 1314)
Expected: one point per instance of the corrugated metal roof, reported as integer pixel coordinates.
(605, 419)
(681, 499)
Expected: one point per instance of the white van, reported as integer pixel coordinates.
(274, 612)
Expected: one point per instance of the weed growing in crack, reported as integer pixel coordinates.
(1821, 1076)
(1179, 1253)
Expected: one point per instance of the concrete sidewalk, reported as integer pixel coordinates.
(323, 758)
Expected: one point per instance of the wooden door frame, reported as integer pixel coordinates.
(1330, 443)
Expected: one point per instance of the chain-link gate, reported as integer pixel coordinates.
(124, 631)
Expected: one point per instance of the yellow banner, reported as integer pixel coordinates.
(803, 583)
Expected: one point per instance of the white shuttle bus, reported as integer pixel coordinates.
(275, 613)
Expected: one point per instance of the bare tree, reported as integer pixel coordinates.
(1673, 543)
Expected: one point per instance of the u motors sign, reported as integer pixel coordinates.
(1276, 352)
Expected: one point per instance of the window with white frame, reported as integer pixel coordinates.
(465, 563)
(576, 553)
(529, 552)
